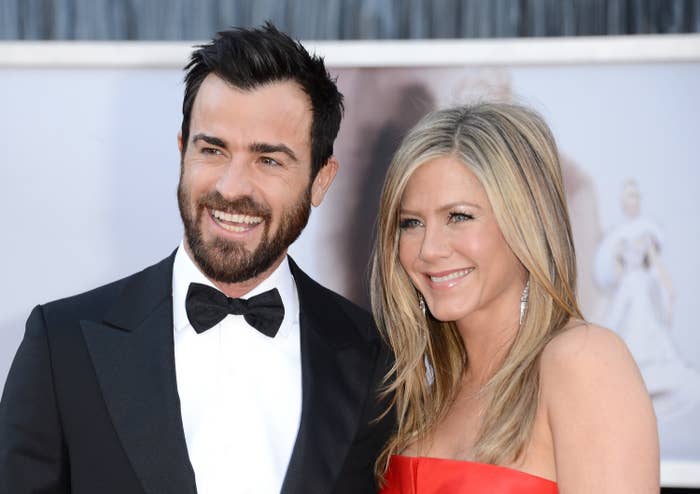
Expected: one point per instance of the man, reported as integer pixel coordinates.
(223, 368)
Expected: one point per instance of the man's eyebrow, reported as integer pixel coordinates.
(214, 141)
(263, 147)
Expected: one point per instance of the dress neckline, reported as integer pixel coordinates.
(475, 463)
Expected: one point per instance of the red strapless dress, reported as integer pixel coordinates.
(421, 475)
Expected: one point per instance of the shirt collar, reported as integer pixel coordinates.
(185, 271)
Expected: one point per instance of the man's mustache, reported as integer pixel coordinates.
(240, 205)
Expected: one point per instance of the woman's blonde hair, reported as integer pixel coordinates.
(512, 152)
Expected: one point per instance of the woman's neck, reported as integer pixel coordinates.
(487, 343)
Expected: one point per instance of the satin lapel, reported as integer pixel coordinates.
(336, 373)
(132, 351)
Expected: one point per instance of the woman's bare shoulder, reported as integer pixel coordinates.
(581, 345)
(599, 413)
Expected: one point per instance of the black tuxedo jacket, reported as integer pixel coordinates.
(91, 406)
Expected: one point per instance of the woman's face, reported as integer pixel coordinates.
(452, 248)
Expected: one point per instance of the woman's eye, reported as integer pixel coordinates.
(407, 223)
(459, 217)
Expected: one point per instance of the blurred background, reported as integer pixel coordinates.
(343, 19)
(90, 92)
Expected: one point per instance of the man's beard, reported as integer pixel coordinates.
(228, 261)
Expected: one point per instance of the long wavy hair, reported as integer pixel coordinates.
(512, 152)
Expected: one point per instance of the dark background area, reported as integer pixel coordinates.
(343, 19)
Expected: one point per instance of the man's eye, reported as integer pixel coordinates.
(212, 151)
(269, 161)
(408, 223)
(458, 217)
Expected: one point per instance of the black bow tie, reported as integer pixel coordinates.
(207, 306)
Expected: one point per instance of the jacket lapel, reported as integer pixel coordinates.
(132, 351)
(336, 372)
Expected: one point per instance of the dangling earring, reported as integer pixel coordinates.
(421, 303)
(523, 300)
(429, 371)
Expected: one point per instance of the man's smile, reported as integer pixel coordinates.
(233, 222)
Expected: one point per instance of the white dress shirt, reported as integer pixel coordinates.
(240, 391)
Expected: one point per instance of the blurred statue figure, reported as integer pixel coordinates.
(628, 263)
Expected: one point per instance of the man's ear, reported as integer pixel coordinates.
(324, 179)
(179, 142)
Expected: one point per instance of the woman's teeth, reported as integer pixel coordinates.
(452, 276)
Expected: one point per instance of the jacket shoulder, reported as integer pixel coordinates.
(314, 294)
(358, 314)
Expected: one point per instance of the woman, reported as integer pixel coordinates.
(499, 385)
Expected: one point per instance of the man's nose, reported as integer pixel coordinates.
(236, 178)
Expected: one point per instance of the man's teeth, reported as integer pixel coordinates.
(232, 228)
(451, 276)
(236, 218)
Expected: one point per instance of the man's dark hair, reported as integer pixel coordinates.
(249, 58)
